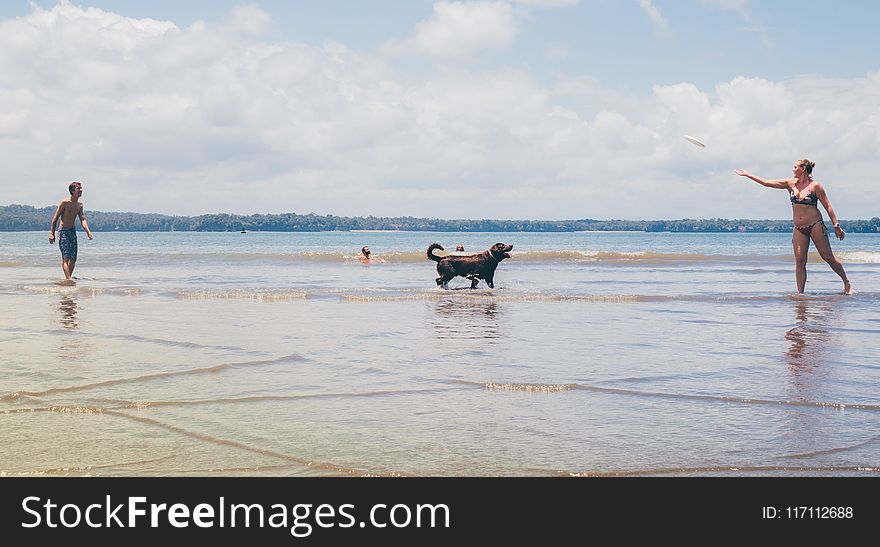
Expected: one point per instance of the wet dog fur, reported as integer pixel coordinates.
(474, 267)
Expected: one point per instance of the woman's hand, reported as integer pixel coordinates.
(838, 231)
(742, 172)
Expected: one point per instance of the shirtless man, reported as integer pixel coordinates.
(67, 211)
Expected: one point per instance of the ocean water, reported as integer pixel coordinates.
(206, 354)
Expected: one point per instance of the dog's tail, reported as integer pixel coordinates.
(431, 254)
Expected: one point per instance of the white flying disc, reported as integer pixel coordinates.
(695, 140)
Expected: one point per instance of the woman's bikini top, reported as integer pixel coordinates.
(811, 198)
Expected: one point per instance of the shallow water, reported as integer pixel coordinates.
(282, 354)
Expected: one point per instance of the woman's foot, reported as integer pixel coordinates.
(847, 287)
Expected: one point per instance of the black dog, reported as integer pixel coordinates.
(474, 267)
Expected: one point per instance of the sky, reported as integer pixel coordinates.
(501, 109)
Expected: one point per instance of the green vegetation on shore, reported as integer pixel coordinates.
(22, 218)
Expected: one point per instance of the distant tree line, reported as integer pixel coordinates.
(22, 218)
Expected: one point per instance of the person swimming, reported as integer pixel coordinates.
(367, 256)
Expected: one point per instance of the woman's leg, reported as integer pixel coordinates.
(823, 245)
(801, 245)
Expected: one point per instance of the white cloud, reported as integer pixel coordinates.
(653, 13)
(457, 29)
(220, 117)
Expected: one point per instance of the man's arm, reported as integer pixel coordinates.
(55, 218)
(85, 223)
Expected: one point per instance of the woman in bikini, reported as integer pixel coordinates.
(805, 195)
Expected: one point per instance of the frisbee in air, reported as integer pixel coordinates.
(694, 140)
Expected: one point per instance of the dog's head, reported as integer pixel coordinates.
(500, 251)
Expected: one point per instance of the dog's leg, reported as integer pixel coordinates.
(439, 281)
(474, 281)
(491, 281)
(447, 279)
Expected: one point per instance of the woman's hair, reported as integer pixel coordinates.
(808, 164)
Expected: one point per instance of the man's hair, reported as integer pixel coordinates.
(72, 186)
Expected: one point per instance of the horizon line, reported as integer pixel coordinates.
(435, 218)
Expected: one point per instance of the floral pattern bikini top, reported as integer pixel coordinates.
(810, 199)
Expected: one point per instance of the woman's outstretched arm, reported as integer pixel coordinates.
(776, 183)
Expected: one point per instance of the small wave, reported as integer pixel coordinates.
(324, 466)
(54, 409)
(490, 295)
(50, 289)
(727, 398)
(81, 468)
(726, 469)
(135, 338)
(540, 388)
(71, 288)
(244, 294)
(353, 257)
(115, 291)
(146, 377)
(666, 395)
(859, 257)
(74, 410)
(235, 469)
(419, 255)
(502, 295)
(835, 450)
(646, 257)
(147, 405)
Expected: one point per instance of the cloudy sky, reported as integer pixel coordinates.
(516, 109)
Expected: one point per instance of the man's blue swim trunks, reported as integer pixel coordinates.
(67, 242)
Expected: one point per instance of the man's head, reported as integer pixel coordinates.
(366, 251)
(75, 187)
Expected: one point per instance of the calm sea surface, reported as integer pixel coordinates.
(282, 354)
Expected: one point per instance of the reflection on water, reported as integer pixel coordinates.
(809, 338)
(810, 344)
(74, 347)
(68, 308)
(807, 358)
(460, 319)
